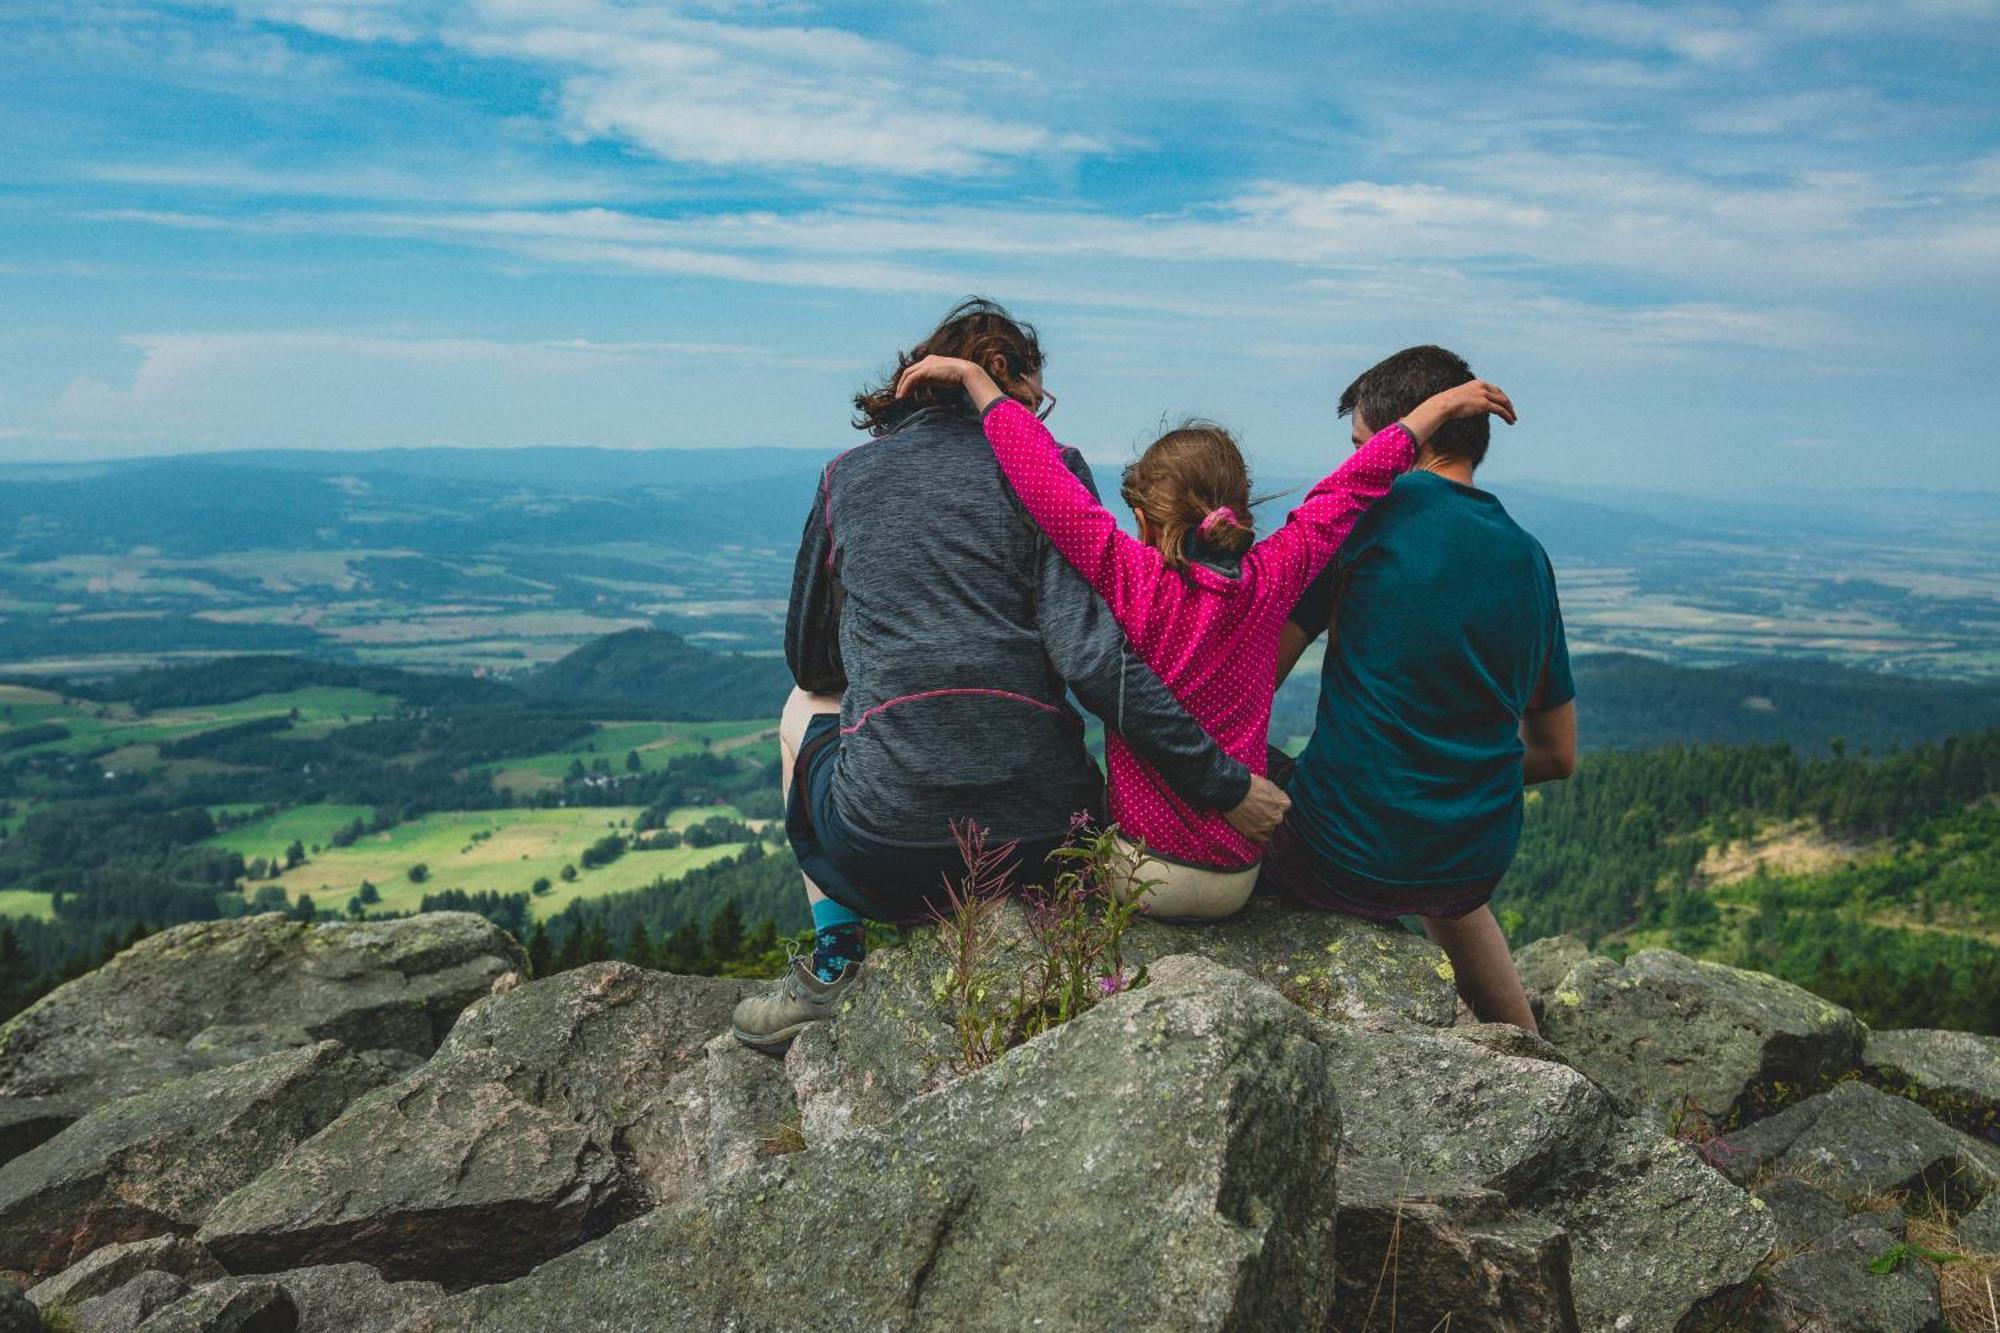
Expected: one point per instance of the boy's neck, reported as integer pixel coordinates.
(1451, 469)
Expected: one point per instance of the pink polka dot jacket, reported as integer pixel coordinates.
(1212, 639)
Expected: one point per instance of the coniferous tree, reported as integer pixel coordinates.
(639, 946)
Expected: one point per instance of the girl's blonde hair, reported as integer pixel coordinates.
(1192, 480)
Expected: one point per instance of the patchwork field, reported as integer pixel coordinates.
(656, 743)
(117, 728)
(504, 851)
(25, 902)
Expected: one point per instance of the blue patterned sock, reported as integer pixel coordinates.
(837, 939)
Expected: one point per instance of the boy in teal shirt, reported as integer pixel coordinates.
(1446, 690)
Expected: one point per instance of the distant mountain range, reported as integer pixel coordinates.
(1625, 702)
(1628, 702)
(509, 558)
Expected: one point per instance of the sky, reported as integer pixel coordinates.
(1705, 248)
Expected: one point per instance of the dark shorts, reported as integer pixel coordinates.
(1291, 868)
(903, 885)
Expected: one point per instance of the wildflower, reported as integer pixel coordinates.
(1112, 984)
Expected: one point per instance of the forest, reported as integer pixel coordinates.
(1903, 927)
(1897, 916)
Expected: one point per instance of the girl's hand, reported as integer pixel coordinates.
(950, 370)
(1475, 398)
(1472, 399)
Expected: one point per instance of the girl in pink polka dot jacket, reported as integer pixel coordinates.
(1202, 605)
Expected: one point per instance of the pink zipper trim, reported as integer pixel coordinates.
(832, 546)
(862, 721)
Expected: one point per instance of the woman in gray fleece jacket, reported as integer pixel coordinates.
(935, 634)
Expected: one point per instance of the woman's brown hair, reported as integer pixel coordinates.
(1192, 480)
(976, 330)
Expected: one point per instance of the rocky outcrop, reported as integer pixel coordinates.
(256, 1307)
(1428, 1253)
(112, 1266)
(1443, 1108)
(129, 1304)
(896, 1041)
(1979, 1230)
(1668, 1035)
(1283, 1129)
(1332, 966)
(1858, 1140)
(1953, 1075)
(215, 993)
(1845, 1283)
(1190, 1131)
(346, 1298)
(1654, 1232)
(155, 1163)
(550, 1114)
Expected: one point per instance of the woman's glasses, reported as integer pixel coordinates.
(1048, 406)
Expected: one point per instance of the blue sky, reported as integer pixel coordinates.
(1704, 247)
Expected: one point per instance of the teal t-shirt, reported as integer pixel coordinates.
(1445, 628)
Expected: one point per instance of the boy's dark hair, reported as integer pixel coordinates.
(1394, 387)
(976, 330)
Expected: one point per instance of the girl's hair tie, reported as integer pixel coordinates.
(1216, 517)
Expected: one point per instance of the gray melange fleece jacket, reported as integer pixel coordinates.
(926, 598)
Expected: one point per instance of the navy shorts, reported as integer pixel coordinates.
(1293, 869)
(882, 881)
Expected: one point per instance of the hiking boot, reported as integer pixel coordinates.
(768, 1022)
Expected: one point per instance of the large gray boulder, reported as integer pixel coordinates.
(893, 1039)
(1979, 1229)
(1833, 1287)
(1543, 963)
(26, 1122)
(156, 1162)
(256, 1307)
(1164, 1161)
(1664, 1030)
(1442, 1107)
(111, 1266)
(890, 1043)
(343, 1298)
(1857, 1140)
(128, 1305)
(551, 1113)
(1953, 1075)
(1423, 1253)
(1801, 1211)
(1653, 1232)
(1330, 965)
(210, 994)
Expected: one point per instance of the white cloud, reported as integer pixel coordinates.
(713, 93)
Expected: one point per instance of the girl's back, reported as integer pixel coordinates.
(1209, 626)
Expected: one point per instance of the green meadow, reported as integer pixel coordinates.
(99, 728)
(26, 902)
(504, 851)
(656, 743)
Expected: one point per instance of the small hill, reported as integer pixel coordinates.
(650, 673)
(1629, 702)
